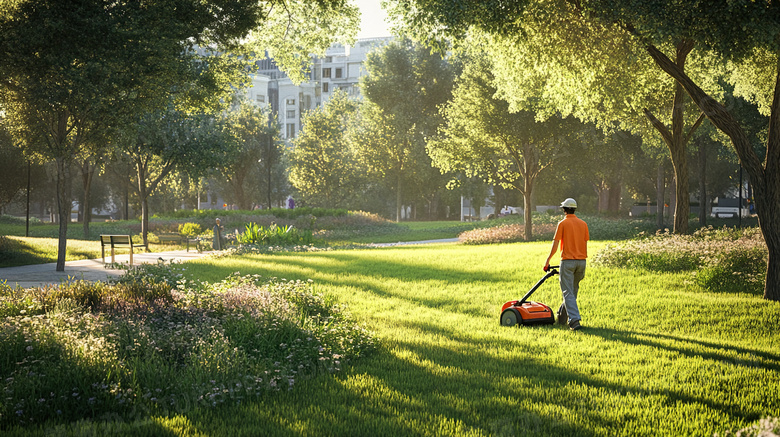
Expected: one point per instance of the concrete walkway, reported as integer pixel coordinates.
(94, 270)
(88, 269)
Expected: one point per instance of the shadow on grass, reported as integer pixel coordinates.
(456, 375)
(19, 253)
(466, 387)
(693, 348)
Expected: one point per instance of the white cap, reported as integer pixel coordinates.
(569, 203)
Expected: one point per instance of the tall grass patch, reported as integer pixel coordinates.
(726, 260)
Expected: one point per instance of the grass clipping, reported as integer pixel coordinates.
(144, 346)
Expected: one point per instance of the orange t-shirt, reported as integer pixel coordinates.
(573, 235)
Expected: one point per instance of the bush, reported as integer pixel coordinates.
(142, 348)
(190, 229)
(274, 236)
(725, 260)
(741, 269)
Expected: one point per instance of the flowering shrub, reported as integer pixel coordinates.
(729, 260)
(141, 347)
(508, 233)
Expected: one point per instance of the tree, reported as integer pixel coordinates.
(253, 133)
(323, 166)
(745, 33)
(482, 137)
(13, 169)
(549, 56)
(171, 140)
(73, 69)
(403, 88)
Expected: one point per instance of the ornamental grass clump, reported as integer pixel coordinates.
(274, 235)
(140, 347)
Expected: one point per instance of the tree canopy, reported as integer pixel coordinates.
(745, 33)
(403, 89)
(323, 166)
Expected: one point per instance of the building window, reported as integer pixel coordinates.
(290, 130)
(260, 98)
(339, 73)
(328, 58)
(291, 113)
(325, 87)
(290, 101)
(326, 72)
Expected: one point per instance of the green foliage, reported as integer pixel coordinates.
(190, 229)
(741, 269)
(275, 212)
(275, 235)
(726, 260)
(323, 166)
(257, 140)
(403, 90)
(131, 350)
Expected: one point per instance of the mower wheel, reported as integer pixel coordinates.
(510, 318)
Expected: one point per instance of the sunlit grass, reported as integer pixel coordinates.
(20, 251)
(659, 356)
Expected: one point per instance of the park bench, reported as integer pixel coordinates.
(117, 242)
(169, 238)
(180, 239)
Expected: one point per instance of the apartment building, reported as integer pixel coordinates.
(340, 68)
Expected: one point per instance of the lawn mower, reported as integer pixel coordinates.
(527, 312)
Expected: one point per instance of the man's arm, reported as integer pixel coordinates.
(552, 252)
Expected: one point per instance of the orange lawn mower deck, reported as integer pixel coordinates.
(526, 312)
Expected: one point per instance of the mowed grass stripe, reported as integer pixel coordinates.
(659, 356)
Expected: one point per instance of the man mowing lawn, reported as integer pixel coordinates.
(572, 235)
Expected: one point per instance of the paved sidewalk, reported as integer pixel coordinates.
(94, 270)
(88, 269)
(407, 243)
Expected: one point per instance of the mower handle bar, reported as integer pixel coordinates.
(552, 271)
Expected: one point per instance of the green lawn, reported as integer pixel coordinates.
(658, 356)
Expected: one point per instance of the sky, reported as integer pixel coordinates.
(372, 19)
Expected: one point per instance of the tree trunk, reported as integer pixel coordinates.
(87, 174)
(764, 178)
(676, 141)
(63, 209)
(528, 186)
(143, 196)
(659, 195)
(702, 182)
(398, 198)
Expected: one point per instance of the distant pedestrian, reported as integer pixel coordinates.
(572, 235)
(218, 235)
(290, 202)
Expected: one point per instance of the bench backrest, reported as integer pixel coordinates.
(116, 240)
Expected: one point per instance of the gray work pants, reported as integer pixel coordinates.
(571, 273)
